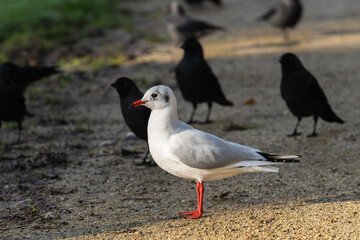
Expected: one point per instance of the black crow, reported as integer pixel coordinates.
(182, 27)
(196, 80)
(12, 106)
(303, 94)
(285, 14)
(136, 119)
(21, 77)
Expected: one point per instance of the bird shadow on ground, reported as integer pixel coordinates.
(341, 32)
(340, 198)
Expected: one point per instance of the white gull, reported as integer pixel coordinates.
(189, 153)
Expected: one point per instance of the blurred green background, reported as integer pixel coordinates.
(43, 25)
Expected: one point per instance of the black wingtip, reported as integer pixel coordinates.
(280, 158)
(284, 160)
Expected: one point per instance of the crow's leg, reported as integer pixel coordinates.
(314, 134)
(207, 120)
(193, 112)
(295, 133)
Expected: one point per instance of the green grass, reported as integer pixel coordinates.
(31, 206)
(92, 62)
(48, 23)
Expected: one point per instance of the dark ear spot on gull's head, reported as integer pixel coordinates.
(158, 97)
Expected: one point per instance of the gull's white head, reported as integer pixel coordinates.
(157, 97)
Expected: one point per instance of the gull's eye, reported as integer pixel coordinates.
(154, 95)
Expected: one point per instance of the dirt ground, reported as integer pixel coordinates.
(74, 177)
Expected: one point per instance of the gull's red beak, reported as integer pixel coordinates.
(137, 103)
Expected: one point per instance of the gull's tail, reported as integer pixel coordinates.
(280, 158)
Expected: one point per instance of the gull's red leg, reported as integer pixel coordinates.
(198, 197)
(197, 213)
(199, 209)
